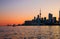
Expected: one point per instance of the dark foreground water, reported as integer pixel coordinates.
(29, 32)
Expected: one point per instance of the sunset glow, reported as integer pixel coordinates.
(17, 11)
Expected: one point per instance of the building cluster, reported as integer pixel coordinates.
(43, 21)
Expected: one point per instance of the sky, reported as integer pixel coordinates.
(17, 11)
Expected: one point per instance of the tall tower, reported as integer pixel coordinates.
(59, 15)
(50, 17)
(40, 13)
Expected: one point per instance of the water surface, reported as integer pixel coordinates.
(29, 32)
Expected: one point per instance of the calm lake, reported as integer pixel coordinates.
(30, 32)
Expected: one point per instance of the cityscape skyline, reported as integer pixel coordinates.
(39, 16)
(43, 21)
(52, 20)
(17, 11)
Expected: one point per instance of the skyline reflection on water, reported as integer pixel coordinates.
(30, 32)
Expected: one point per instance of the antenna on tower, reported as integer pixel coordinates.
(40, 13)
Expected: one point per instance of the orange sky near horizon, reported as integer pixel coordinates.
(16, 12)
(21, 19)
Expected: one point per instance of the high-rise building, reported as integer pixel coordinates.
(45, 21)
(38, 21)
(50, 17)
(34, 18)
(59, 15)
(54, 19)
(38, 16)
(44, 18)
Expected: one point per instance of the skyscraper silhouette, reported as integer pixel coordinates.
(50, 18)
(59, 16)
(43, 21)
